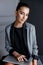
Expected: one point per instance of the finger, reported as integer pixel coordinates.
(20, 59)
(25, 59)
(23, 56)
(31, 63)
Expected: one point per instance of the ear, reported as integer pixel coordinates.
(15, 13)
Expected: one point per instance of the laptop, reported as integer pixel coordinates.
(13, 60)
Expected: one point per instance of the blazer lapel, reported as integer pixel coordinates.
(27, 37)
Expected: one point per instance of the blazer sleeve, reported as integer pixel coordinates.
(35, 46)
(8, 46)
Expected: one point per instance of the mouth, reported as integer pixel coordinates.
(22, 20)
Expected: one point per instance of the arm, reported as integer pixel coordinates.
(9, 48)
(35, 48)
(8, 45)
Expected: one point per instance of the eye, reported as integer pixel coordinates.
(27, 14)
(21, 13)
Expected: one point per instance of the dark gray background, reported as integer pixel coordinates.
(36, 18)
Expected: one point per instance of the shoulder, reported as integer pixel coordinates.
(8, 27)
(30, 25)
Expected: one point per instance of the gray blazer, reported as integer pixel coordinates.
(31, 39)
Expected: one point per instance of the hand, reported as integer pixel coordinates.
(35, 62)
(21, 58)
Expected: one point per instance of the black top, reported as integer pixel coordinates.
(17, 41)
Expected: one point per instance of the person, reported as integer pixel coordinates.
(20, 37)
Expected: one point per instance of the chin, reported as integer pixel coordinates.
(22, 22)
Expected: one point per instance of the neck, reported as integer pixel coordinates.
(18, 24)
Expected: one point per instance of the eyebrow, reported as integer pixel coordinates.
(23, 12)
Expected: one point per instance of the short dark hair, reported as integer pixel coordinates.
(20, 4)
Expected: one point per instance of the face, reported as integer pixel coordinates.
(22, 14)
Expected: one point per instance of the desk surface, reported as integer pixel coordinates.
(14, 61)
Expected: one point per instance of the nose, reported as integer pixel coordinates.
(24, 17)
